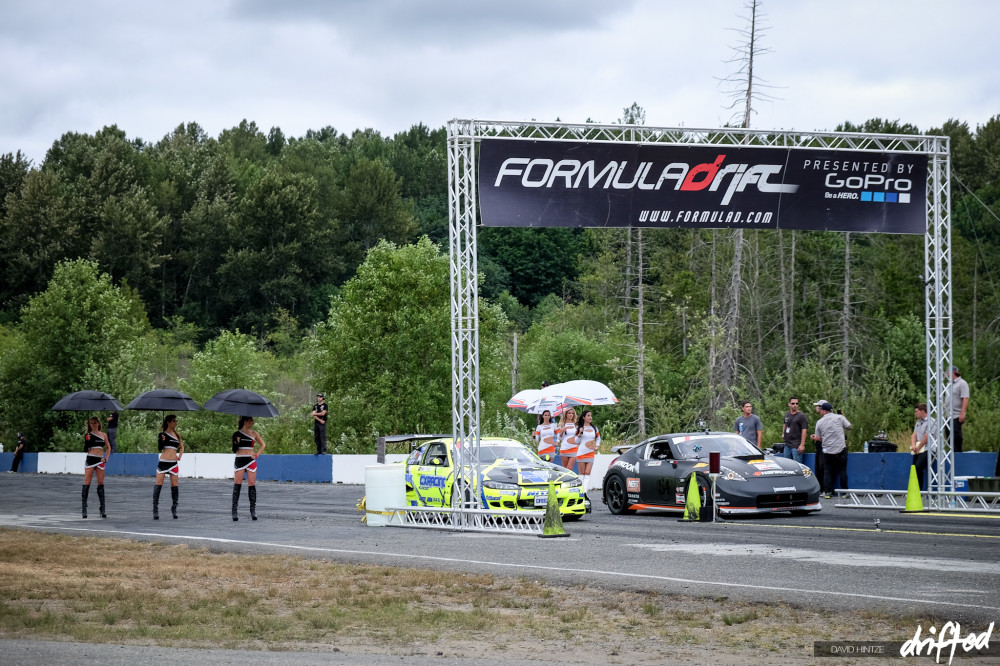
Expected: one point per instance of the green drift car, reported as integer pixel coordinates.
(513, 478)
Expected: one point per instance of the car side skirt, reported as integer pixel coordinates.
(729, 509)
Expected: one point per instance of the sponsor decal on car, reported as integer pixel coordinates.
(625, 465)
(535, 477)
(632, 485)
(784, 489)
(764, 464)
(654, 463)
(432, 482)
(701, 464)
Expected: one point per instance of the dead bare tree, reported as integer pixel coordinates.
(744, 87)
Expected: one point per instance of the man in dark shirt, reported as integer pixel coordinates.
(319, 424)
(22, 446)
(796, 427)
(113, 431)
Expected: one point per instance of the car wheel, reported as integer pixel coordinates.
(467, 499)
(617, 498)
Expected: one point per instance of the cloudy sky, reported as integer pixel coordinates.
(76, 66)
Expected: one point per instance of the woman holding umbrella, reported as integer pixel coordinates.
(95, 445)
(545, 436)
(588, 439)
(567, 439)
(244, 440)
(171, 449)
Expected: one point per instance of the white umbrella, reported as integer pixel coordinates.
(522, 399)
(577, 392)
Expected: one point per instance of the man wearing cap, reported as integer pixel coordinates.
(319, 424)
(820, 468)
(831, 433)
(958, 400)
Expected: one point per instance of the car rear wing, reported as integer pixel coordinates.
(410, 443)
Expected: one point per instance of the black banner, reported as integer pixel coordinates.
(527, 183)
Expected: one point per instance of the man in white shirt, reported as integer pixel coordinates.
(958, 401)
(918, 441)
(831, 432)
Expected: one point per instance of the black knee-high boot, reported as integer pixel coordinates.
(252, 494)
(86, 491)
(156, 501)
(236, 498)
(100, 496)
(173, 504)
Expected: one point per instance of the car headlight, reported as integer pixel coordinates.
(497, 485)
(806, 470)
(730, 474)
(572, 483)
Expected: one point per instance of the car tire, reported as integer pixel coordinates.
(616, 496)
(468, 496)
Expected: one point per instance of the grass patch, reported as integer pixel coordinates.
(58, 587)
(729, 619)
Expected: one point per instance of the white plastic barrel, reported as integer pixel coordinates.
(385, 487)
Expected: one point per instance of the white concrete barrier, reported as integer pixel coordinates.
(347, 469)
(207, 465)
(350, 469)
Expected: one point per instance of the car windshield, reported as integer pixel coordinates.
(492, 453)
(700, 447)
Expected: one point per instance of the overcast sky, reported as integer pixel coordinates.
(76, 66)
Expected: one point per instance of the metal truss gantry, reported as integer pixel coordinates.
(463, 138)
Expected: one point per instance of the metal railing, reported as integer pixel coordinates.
(933, 501)
(468, 520)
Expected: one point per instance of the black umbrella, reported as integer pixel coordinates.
(164, 400)
(240, 402)
(87, 401)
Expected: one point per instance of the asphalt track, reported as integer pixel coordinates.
(945, 566)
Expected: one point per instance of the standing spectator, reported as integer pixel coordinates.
(918, 441)
(796, 427)
(545, 436)
(820, 467)
(113, 431)
(22, 446)
(171, 448)
(749, 425)
(588, 439)
(831, 432)
(95, 445)
(319, 424)
(958, 402)
(567, 439)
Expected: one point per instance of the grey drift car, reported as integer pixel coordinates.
(655, 475)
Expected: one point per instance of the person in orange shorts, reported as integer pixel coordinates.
(545, 436)
(588, 439)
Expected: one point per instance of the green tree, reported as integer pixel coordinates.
(384, 355)
(228, 361)
(13, 170)
(82, 332)
(537, 261)
(38, 231)
(372, 209)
